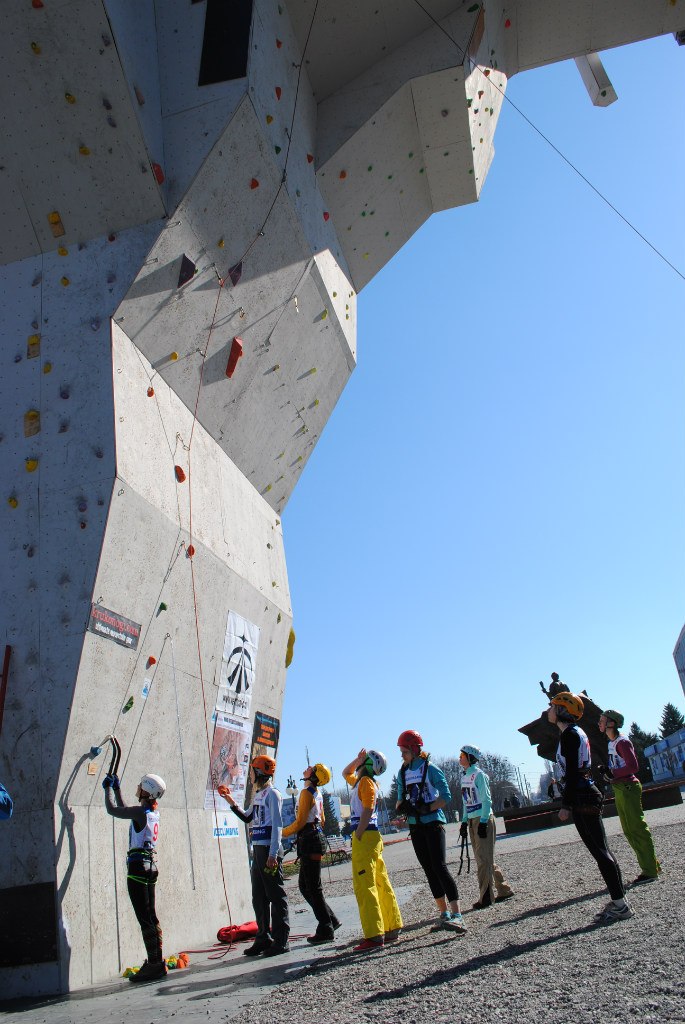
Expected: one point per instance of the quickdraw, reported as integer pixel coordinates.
(465, 849)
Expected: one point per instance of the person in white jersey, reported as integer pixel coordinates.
(141, 864)
(269, 899)
(478, 820)
(311, 846)
(380, 915)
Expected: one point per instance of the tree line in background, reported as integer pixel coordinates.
(671, 721)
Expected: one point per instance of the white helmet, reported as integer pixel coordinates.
(375, 762)
(153, 785)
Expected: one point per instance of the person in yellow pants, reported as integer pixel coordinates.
(380, 915)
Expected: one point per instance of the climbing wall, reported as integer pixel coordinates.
(190, 205)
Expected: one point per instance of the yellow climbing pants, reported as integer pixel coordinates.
(376, 900)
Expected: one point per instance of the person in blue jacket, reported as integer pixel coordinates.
(6, 805)
(478, 820)
(422, 792)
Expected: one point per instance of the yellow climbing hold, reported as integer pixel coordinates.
(62, 251)
(269, 119)
(70, 98)
(173, 357)
(12, 501)
(65, 282)
(220, 243)
(324, 315)
(33, 346)
(281, 455)
(84, 151)
(31, 465)
(31, 423)
(47, 367)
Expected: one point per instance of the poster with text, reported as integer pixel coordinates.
(229, 764)
(238, 666)
(264, 740)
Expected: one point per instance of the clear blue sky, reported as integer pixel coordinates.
(500, 490)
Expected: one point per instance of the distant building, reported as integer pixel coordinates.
(667, 757)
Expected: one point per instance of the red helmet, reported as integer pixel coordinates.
(410, 739)
(264, 765)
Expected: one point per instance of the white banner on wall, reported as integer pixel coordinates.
(238, 666)
(226, 826)
(229, 764)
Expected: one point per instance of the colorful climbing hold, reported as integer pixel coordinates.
(278, 149)
(486, 72)
(279, 44)
(31, 465)
(31, 423)
(190, 551)
(507, 23)
(56, 225)
(70, 98)
(65, 282)
(326, 215)
(220, 243)
(234, 355)
(33, 346)
(269, 119)
(254, 183)
(36, 48)
(472, 8)
(342, 175)
(151, 661)
(290, 649)
(127, 706)
(180, 474)
(163, 607)
(156, 169)
(139, 96)
(47, 367)
(62, 251)
(278, 92)
(84, 151)
(12, 501)
(150, 391)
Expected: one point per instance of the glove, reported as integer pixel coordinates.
(115, 781)
(405, 807)
(482, 829)
(107, 781)
(463, 830)
(605, 772)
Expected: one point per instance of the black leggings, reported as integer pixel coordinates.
(141, 880)
(430, 849)
(591, 830)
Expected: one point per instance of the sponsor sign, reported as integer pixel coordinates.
(113, 626)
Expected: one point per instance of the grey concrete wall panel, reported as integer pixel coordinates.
(548, 32)
(69, 96)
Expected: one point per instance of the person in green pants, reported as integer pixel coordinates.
(621, 772)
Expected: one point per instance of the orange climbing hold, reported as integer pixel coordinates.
(310, 158)
(56, 225)
(180, 474)
(254, 183)
(191, 551)
(158, 173)
(234, 355)
(150, 391)
(342, 175)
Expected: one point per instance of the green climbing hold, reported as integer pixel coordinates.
(363, 213)
(469, 10)
(410, 155)
(387, 233)
(163, 607)
(390, 177)
(277, 148)
(127, 706)
(469, 102)
(370, 167)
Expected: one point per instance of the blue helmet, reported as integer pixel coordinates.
(473, 752)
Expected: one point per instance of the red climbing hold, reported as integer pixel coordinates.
(158, 173)
(180, 474)
(310, 158)
(278, 92)
(507, 23)
(150, 392)
(151, 661)
(37, 4)
(486, 72)
(342, 175)
(254, 183)
(326, 215)
(279, 44)
(233, 356)
(480, 94)
(191, 551)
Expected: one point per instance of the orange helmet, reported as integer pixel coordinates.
(570, 703)
(264, 765)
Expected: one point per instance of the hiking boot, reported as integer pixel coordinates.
(257, 948)
(149, 972)
(393, 935)
(480, 905)
(504, 896)
(368, 945)
(274, 950)
(642, 878)
(613, 913)
(320, 937)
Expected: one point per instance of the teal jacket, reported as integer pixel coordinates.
(435, 786)
(475, 794)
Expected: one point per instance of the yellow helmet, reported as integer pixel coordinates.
(570, 703)
(321, 773)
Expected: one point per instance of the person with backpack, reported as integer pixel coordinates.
(582, 800)
(269, 899)
(621, 772)
(422, 792)
(311, 846)
(478, 821)
(141, 864)
(380, 915)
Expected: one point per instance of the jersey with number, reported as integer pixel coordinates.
(146, 839)
(357, 807)
(260, 829)
(584, 755)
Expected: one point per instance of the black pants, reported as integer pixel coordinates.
(141, 881)
(431, 852)
(312, 891)
(590, 828)
(269, 900)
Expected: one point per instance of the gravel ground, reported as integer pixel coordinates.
(537, 956)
